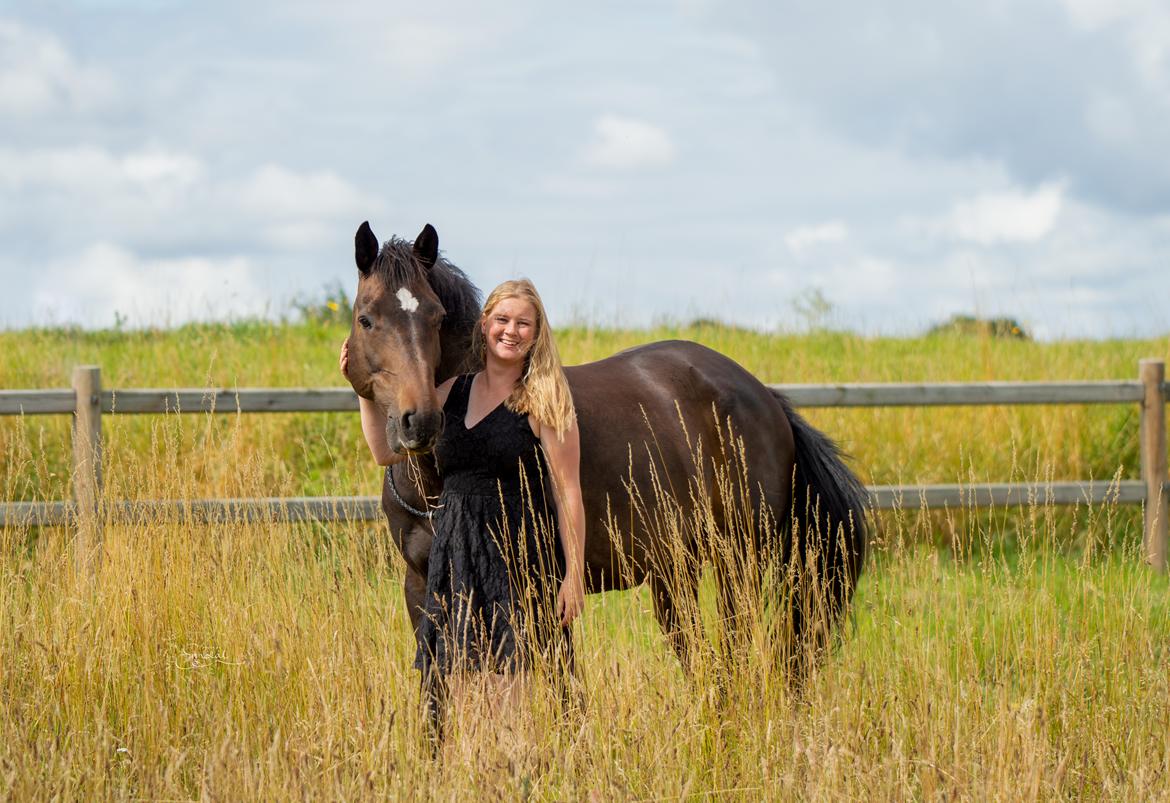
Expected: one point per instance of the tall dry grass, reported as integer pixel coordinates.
(1011, 654)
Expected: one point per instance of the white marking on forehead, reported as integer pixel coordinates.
(407, 299)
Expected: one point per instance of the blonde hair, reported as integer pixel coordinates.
(542, 390)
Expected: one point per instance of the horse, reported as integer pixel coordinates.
(655, 421)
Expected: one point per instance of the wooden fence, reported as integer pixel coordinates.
(88, 402)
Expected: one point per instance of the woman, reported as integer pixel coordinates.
(499, 549)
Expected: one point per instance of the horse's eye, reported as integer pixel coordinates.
(365, 322)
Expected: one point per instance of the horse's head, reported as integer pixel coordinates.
(394, 343)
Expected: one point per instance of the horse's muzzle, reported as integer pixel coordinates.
(414, 432)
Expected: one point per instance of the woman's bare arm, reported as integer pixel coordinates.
(374, 428)
(564, 462)
(373, 421)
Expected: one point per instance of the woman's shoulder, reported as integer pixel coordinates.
(462, 381)
(443, 391)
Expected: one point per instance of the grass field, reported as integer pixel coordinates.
(1018, 654)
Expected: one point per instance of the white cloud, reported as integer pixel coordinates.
(142, 192)
(39, 76)
(86, 168)
(862, 280)
(590, 188)
(297, 210)
(417, 48)
(801, 239)
(740, 140)
(626, 143)
(1112, 120)
(409, 45)
(1006, 217)
(1092, 15)
(269, 193)
(1146, 27)
(156, 166)
(105, 279)
(276, 191)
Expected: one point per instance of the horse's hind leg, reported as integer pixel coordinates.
(676, 606)
(740, 597)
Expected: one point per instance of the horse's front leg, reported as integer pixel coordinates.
(433, 688)
(416, 547)
(413, 538)
(414, 586)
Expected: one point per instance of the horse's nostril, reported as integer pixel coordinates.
(407, 417)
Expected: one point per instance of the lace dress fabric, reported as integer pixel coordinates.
(496, 559)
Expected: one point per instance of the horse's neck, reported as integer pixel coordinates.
(456, 357)
(461, 300)
(420, 474)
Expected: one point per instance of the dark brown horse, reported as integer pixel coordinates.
(671, 418)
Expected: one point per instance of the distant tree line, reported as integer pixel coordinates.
(968, 325)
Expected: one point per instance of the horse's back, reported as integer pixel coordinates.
(672, 378)
(646, 414)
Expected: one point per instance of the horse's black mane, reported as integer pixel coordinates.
(396, 265)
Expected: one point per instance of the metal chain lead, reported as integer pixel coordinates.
(426, 514)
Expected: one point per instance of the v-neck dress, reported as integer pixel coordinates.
(496, 560)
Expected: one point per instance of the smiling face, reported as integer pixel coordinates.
(509, 330)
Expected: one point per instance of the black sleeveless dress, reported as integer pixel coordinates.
(496, 559)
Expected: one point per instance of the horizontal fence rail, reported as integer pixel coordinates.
(369, 508)
(341, 400)
(185, 400)
(199, 511)
(88, 402)
(961, 393)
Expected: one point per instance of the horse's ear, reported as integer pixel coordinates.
(365, 248)
(426, 246)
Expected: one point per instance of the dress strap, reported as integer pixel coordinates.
(459, 396)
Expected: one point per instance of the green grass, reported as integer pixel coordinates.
(991, 654)
(313, 454)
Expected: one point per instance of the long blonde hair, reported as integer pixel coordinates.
(542, 390)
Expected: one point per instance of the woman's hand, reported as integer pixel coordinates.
(571, 599)
(344, 361)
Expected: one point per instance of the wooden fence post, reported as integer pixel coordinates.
(1153, 435)
(87, 464)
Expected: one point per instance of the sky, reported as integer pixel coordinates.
(163, 160)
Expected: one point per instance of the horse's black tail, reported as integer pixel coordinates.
(827, 532)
